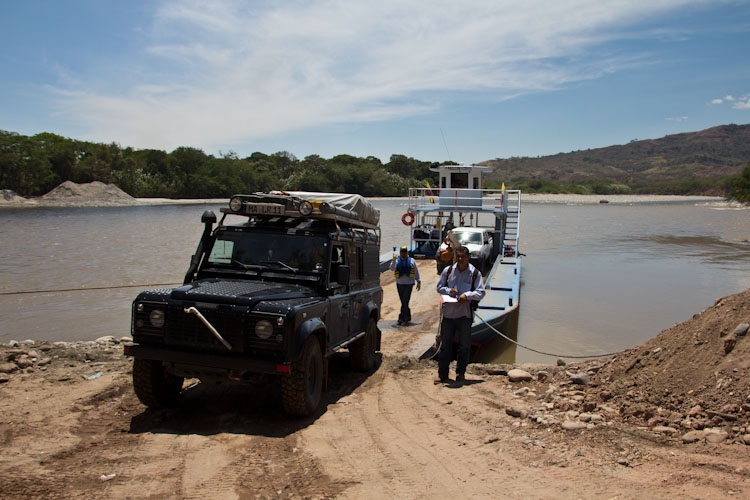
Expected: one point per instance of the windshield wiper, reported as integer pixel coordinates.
(278, 262)
(244, 266)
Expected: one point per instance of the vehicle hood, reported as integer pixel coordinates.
(234, 292)
(473, 247)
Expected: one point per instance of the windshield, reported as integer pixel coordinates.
(244, 249)
(469, 237)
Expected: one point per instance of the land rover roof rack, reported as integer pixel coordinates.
(280, 204)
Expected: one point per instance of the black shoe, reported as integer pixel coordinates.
(460, 380)
(399, 322)
(442, 380)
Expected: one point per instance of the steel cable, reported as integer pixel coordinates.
(58, 290)
(542, 352)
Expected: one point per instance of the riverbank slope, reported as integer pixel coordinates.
(667, 419)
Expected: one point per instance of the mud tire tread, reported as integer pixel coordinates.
(362, 351)
(296, 396)
(153, 386)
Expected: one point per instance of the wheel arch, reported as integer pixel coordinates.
(312, 326)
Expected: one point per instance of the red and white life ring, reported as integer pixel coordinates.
(407, 219)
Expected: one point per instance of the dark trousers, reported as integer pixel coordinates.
(454, 328)
(404, 293)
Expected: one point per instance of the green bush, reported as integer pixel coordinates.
(739, 187)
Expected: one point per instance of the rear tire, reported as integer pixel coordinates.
(362, 351)
(301, 391)
(153, 386)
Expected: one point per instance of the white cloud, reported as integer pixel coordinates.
(677, 118)
(226, 71)
(717, 101)
(742, 103)
(729, 98)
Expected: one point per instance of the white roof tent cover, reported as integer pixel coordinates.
(354, 202)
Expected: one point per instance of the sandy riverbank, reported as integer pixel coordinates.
(616, 199)
(93, 194)
(667, 419)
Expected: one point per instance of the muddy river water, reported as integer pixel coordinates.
(596, 278)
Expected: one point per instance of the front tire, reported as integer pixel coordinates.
(153, 386)
(301, 391)
(362, 351)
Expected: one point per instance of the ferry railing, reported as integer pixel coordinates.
(456, 200)
(425, 202)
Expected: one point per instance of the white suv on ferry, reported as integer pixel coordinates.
(479, 242)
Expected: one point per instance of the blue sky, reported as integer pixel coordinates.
(436, 80)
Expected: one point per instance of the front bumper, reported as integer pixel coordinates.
(212, 361)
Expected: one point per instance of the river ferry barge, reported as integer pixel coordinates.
(460, 202)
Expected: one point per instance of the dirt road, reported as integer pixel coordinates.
(71, 427)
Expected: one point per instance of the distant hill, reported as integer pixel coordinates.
(707, 155)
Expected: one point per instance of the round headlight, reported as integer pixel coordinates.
(157, 318)
(235, 204)
(263, 329)
(305, 208)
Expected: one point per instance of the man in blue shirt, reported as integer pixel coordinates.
(406, 273)
(460, 284)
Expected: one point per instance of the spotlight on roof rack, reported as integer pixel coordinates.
(305, 208)
(235, 204)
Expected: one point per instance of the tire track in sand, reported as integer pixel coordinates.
(385, 434)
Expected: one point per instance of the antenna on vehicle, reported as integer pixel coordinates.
(445, 144)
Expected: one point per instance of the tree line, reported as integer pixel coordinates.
(33, 165)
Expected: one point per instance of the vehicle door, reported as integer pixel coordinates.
(340, 310)
(359, 294)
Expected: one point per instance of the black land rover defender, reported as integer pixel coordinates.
(274, 295)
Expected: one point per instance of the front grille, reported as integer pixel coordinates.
(187, 330)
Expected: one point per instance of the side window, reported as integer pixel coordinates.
(338, 258)
(360, 274)
(356, 263)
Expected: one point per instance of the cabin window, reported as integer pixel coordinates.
(459, 180)
(476, 182)
(442, 182)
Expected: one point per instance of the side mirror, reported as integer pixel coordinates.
(342, 275)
